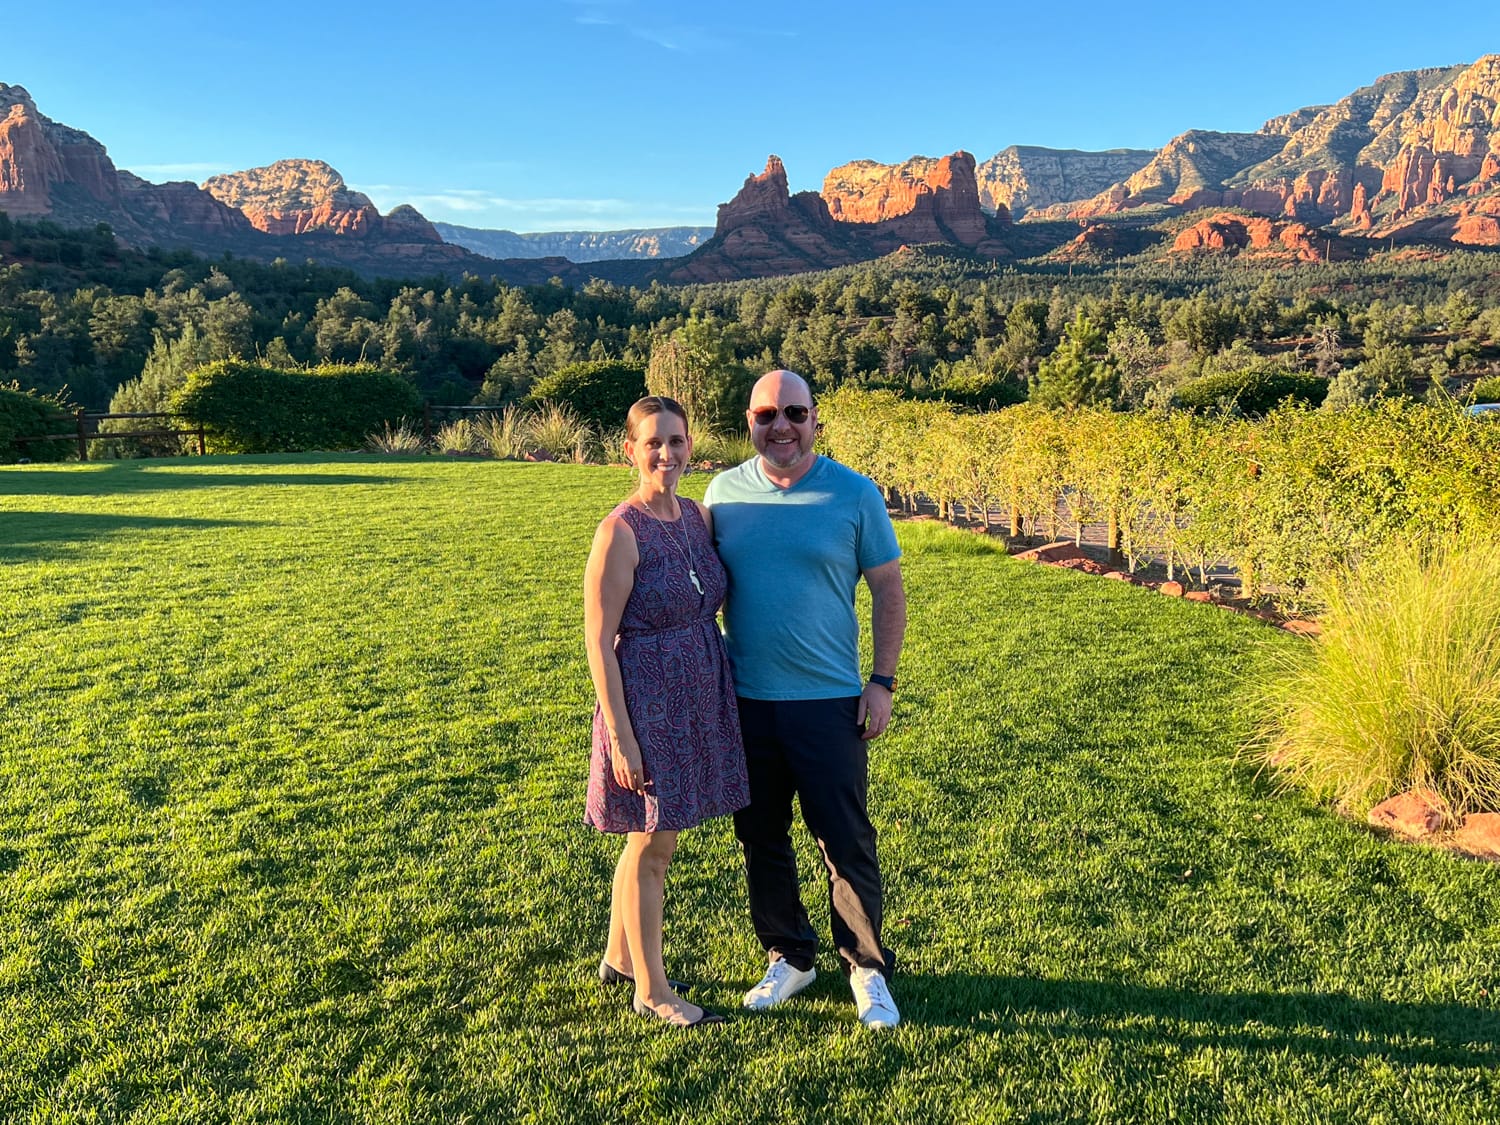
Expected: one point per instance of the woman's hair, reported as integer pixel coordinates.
(652, 404)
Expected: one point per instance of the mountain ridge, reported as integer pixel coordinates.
(1412, 157)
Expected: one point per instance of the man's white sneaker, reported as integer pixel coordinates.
(872, 997)
(781, 982)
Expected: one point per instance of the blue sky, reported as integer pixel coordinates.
(608, 114)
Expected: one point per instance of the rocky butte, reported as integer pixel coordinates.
(294, 209)
(295, 197)
(766, 231)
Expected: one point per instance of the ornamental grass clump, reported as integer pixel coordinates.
(503, 433)
(401, 439)
(722, 449)
(457, 436)
(557, 431)
(1402, 691)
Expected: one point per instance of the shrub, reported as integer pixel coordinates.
(247, 408)
(1256, 390)
(597, 392)
(1403, 689)
(28, 414)
(967, 384)
(1487, 389)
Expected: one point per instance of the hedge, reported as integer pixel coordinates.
(600, 392)
(1286, 500)
(246, 408)
(27, 414)
(1252, 392)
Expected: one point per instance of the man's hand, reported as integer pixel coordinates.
(874, 713)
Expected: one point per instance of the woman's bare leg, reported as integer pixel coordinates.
(616, 949)
(638, 904)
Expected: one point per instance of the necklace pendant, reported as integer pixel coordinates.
(693, 574)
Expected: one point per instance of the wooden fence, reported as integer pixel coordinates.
(86, 429)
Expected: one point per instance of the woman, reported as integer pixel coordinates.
(667, 753)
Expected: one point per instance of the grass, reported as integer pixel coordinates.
(1403, 691)
(291, 775)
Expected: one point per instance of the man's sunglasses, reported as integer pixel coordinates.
(796, 415)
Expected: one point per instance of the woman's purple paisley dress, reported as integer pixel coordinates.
(678, 689)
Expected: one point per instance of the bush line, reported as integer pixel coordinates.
(1286, 501)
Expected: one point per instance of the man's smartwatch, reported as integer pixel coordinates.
(887, 682)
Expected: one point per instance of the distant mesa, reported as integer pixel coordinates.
(295, 209)
(579, 246)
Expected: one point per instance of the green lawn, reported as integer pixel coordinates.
(292, 762)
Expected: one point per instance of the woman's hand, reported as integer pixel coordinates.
(625, 759)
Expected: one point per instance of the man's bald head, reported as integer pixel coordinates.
(780, 388)
(785, 446)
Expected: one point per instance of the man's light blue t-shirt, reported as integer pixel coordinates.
(794, 557)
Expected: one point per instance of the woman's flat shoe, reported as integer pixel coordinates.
(608, 974)
(704, 1016)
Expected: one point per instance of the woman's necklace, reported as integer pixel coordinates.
(672, 540)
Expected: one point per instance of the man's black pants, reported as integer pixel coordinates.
(811, 749)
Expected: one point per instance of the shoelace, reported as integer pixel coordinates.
(774, 976)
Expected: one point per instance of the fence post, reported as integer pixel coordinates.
(83, 438)
(202, 441)
(427, 422)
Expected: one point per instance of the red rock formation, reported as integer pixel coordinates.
(180, 206)
(1359, 209)
(296, 197)
(938, 200)
(1257, 235)
(765, 231)
(37, 154)
(1476, 230)
(1106, 240)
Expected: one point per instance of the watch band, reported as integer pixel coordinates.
(887, 682)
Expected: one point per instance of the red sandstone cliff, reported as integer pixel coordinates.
(766, 231)
(295, 197)
(37, 156)
(1261, 237)
(293, 208)
(922, 200)
(1386, 159)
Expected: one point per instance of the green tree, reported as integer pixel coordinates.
(1080, 372)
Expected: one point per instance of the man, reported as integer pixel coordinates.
(796, 532)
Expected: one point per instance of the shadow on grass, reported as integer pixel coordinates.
(1308, 1023)
(139, 476)
(37, 536)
